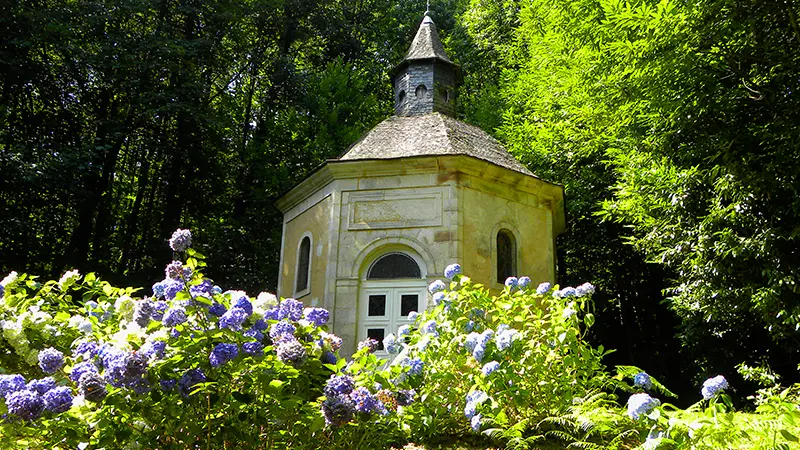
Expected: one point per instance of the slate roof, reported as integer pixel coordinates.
(432, 134)
(426, 44)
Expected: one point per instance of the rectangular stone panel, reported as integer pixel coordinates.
(395, 208)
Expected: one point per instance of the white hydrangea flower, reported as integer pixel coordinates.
(125, 307)
(263, 302)
(67, 277)
(10, 278)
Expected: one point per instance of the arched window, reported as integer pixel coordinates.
(421, 91)
(394, 265)
(401, 97)
(506, 255)
(303, 272)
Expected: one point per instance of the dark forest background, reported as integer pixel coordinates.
(674, 127)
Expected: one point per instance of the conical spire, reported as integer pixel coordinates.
(426, 81)
(427, 44)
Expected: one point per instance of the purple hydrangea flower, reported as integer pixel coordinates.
(511, 283)
(175, 316)
(567, 292)
(260, 325)
(523, 282)
(337, 410)
(81, 368)
(290, 309)
(10, 384)
(415, 366)
(180, 240)
(217, 309)
(451, 271)
(584, 289)
(253, 348)
(93, 387)
(153, 349)
(317, 316)
(543, 288)
(490, 367)
(143, 313)
(406, 397)
(292, 352)
(176, 271)
(436, 286)
(50, 360)
(282, 330)
(642, 379)
(42, 385)
(253, 333)
(159, 308)
(25, 404)
(641, 404)
(202, 290)
(189, 379)
(339, 385)
(712, 386)
(222, 353)
(168, 385)
(370, 344)
(172, 288)
(241, 301)
(233, 319)
(391, 345)
(364, 401)
(58, 400)
(123, 369)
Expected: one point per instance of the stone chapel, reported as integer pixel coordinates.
(366, 233)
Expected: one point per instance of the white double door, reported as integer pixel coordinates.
(384, 307)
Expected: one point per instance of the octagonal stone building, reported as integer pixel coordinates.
(366, 233)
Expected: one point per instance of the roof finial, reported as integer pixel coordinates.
(428, 8)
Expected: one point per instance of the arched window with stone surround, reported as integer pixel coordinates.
(392, 287)
(303, 268)
(506, 255)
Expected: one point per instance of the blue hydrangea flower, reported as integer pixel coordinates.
(180, 240)
(217, 309)
(42, 385)
(472, 341)
(153, 349)
(412, 316)
(567, 292)
(172, 288)
(584, 289)
(189, 379)
(364, 401)
(142, 312)
(159, 289)
(475, 422)
(25, 404)
(253, 348)
(523, 282)
(337, 411)
(329, 358)
(260, 325)
(712, 386)
(176, 271)
(244, 303)
(93, 387)
(317, 316)
(203, 289)
(474, 399)
(124, 369)
(485, 337)
(282, 330)
(490, 367)
(2, 291)
(470, 409)
(640, 405)
(391, 345)
(58, 400)
(175, 316)
(11, 383)
(415, 366)
(168, 385)
(429, 327)
(402, 332)
(436, 286)
(290, 309)
(543, 288)
(159, 308)
(339, 385)
(50, 360)
(253, 333)
(506, 338)
(82, 368)
(479, 352)
(511, 283)
(451, 271)
(642, 379)
(291, 352)
(370, 344)
(405, 397)
(438, 298)
(222, 353)
(233, 319)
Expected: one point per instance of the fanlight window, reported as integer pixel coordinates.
(394, 265)
(506, 255)
(303, 264)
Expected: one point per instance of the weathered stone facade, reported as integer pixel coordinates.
(423, 185)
